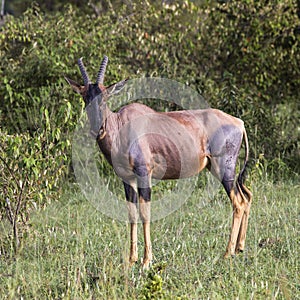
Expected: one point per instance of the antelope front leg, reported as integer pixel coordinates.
(145, 216)
(133, 257)
(131, 197)
(145, 206)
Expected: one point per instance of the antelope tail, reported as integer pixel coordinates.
(241, 174)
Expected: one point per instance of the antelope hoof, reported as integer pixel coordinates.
(132, 264)
(229, 255)
(132, 261)
(238, 250)
(146, 265)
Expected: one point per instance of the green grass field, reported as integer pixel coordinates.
(72, 251)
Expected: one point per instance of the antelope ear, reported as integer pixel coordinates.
(75, 86)
(116, 87)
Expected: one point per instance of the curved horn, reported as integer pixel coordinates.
(84, 73)
(100, 76)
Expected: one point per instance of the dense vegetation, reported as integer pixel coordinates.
(242, 56)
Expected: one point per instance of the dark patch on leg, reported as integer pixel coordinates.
(145, 193)
(130, 193)
(228, 185)
(143, 181)
(224, 148)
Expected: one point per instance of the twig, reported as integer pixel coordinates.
(2, 9)
(10, 170)
(9, 211)
(13, 216)
(15, 229)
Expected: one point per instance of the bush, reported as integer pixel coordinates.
(258, 43)
(32, 169)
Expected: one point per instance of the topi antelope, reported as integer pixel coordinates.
(141, 144)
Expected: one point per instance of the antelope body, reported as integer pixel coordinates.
(142, 144)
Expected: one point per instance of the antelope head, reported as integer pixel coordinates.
(95, 95)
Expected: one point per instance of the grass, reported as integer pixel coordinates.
(72, 251)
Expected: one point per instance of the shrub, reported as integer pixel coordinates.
(32, 168)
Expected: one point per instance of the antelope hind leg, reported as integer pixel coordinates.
(239, 207)
(240, 246)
